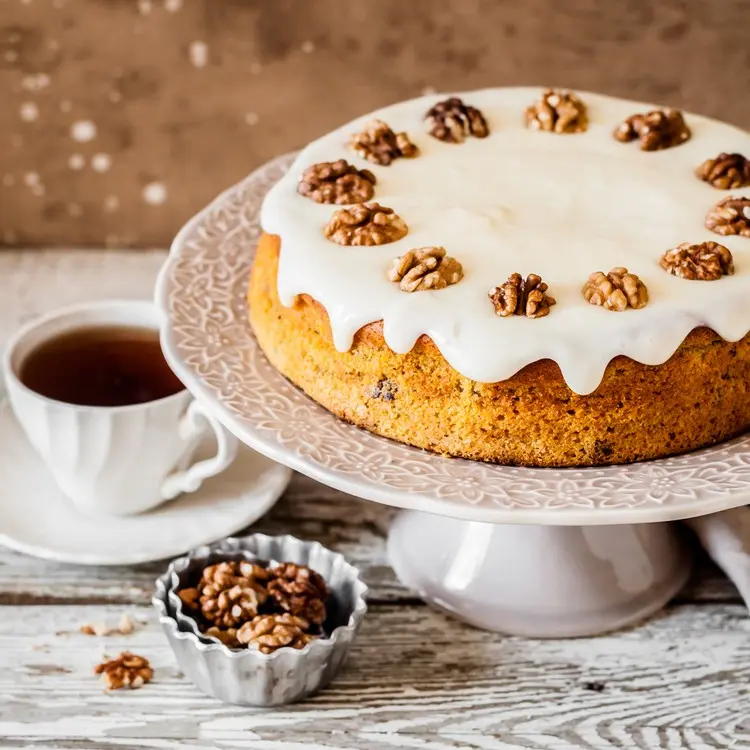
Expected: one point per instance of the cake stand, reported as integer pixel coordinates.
(534, 552)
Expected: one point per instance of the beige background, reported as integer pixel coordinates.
(120, 118)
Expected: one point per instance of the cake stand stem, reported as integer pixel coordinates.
(539, 581)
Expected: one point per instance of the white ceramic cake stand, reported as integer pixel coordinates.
(535, 552)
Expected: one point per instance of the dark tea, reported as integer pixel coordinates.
(101, 366)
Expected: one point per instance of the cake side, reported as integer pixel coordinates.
(699, 397)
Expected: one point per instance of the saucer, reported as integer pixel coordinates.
(37, 519)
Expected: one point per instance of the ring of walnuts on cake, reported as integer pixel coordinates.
(698, 396)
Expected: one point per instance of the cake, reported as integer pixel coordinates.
(516, 275)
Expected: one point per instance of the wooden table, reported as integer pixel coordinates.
(416, 679)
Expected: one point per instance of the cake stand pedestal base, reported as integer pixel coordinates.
(539, 581)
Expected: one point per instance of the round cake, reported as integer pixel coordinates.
(516, 275)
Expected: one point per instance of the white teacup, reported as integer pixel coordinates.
(117, 460)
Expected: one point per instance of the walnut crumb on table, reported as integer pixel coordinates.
(125, 627)
(126, 671)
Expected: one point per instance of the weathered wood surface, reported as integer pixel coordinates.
(417, 679)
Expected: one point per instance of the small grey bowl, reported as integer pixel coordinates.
(251, 678)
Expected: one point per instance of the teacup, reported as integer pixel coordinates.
(112, 460)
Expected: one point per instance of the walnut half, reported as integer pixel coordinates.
(519, 296)
(300, 591)
(336, 182)
(365, 224)
(705, 262)
(231, 592)
(425, 268)
(557, 111)
(617, 290)
(451, 121)
(730, 216)
(379, 144)
(654, 130)
(725, 172)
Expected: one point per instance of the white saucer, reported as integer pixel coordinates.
(37, 519)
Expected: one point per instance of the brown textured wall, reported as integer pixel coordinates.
(119, 118)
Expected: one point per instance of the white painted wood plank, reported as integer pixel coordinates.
(416, 679)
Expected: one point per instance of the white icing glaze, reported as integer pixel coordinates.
(561, 206)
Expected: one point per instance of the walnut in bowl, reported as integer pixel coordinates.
(261, 649)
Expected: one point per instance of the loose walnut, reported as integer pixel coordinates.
(268, 633)
(557, 111)
(519, 296)
(425, 268)
(730, 216)
(705, 262)
(300, 591)
(127, 670)
(655, 130)
(451, 120)
(379, 144)
(616, 290)
(726, 171)
(337, 182)
(365, 224)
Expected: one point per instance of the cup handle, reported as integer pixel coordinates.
(192, 426)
